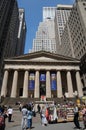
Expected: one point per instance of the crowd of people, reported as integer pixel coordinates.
(61, 111)
(44, 110)
(5, 113)
(27, 115)
(28, 112)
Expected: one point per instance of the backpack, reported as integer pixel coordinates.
(2, 122)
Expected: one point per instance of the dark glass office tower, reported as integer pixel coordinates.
(9, 24)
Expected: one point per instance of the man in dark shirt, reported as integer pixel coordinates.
(3, 115)
(76, 116)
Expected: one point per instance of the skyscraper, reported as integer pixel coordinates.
(8, 29)
(49, 13)
(54, 20)
(9, 24)
(45, 36)
(21, 32)
(73, 40)
(61, 18)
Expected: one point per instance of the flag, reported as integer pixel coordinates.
(43, 32)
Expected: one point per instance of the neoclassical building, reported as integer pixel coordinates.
(41, 74)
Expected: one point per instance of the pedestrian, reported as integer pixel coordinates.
(20, 107)
(55, 116)
(76, 116)
(24, 116)
(33, 110)
(10, 113)
(38, 107)
(29, 117)
(44, 121)
(84, 116)
(47, 114)
(3, 116)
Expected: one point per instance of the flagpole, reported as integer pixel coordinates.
(42, 44)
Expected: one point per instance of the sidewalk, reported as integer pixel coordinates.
(58, 126)
(16, 120)
(16, 124)
(17, 117)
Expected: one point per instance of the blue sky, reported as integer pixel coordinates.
(33, 16)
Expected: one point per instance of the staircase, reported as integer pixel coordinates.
(12, 101)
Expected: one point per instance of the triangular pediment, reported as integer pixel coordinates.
(42, 56)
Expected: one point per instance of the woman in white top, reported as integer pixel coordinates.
(29, 117)
(43, 116)
(24, 117)
(10, 112)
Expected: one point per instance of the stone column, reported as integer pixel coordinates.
(79, 84)
(69, 84)
(48, 86)
(59, 85)
(36, 91)
(25, 85)
(14, 85)
(4, 84)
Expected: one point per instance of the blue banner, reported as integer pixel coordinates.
(31, 81)
(53, 82)
(42, 77)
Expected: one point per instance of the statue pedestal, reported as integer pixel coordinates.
(43, 103)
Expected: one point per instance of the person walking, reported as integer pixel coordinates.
(47, 114)
(24, 117)
(44, 121)
(29, 117)
(20, 107)
(38, 107)
(76, 116)
(10, 113)
(84, 116)
(3, 116)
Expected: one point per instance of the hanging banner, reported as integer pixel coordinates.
(31, 81)
(53, 82)
(42, 77)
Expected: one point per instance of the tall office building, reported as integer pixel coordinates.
(73, 41)
(49, 13)
(45, 36)
(57, 16)
(8, 30)
(21, 32)
(9, 24)
(61, 18)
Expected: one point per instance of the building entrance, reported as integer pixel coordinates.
(42, 84)
(42, 89)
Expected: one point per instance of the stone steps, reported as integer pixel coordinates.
(12, 101)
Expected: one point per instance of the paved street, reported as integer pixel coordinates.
(60, 126)
(15, 125)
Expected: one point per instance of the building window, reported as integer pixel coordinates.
(84, 4)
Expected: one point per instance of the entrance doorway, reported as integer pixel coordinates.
(42, 88)
(20, 91)
(42, 84)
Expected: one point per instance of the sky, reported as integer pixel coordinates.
(33, 16)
